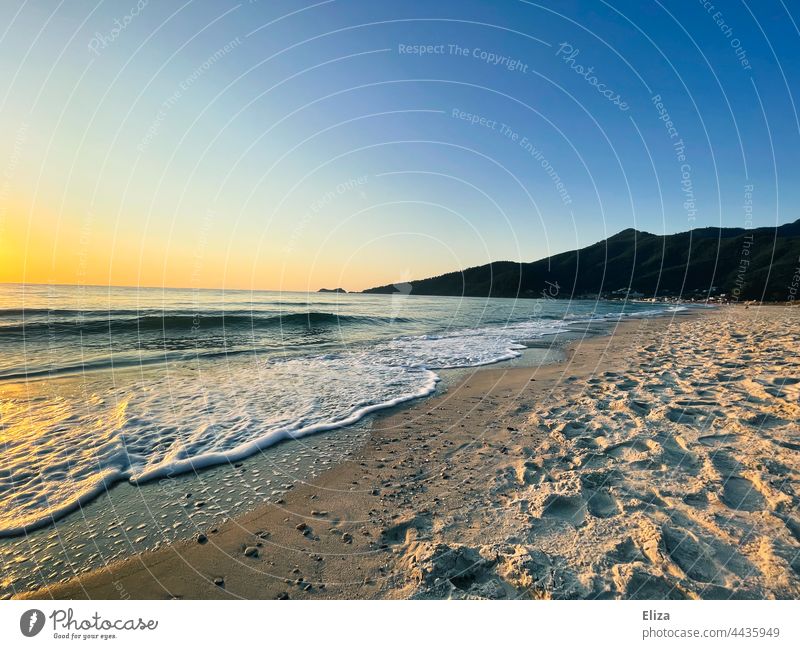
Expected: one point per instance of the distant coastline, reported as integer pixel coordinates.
(726, 265)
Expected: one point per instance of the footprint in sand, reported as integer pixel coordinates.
(696, 500)
(602, 504)
(529, 472)
(586, 443)
(593, 460)
(626, 551)
(737, 492)
(688, 416)
(764, 420)
(740, 493)
(685, 551)
(643, 585)
(676, 452)
(566, 508)
(630, 451)
(573, 429)
(714, 440)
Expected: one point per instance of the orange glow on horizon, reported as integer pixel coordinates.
(67, 251)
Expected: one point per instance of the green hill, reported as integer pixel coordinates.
(756, 264)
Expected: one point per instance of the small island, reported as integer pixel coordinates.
(331, 290)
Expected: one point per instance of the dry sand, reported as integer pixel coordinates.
(659, 462)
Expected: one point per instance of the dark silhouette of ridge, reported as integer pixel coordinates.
(743, 264)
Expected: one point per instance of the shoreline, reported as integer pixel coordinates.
(127, 519)
(236, 457)
(469, 493)
(23, 522)
(503, 374)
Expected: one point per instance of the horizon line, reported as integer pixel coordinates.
(362, 292)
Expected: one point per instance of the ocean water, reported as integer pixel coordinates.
(100, 385)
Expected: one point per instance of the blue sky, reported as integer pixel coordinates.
(297, 144)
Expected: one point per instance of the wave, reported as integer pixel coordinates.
(70, 322)
(151, 430)
(118, 362)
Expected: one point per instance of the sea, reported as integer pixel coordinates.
(108, 385)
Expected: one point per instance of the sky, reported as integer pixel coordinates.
(293, 145)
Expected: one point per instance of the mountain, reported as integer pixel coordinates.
(752, 264)
(331, 290)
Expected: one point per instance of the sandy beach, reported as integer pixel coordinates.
(657, 462)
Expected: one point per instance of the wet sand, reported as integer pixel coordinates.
(658, 462)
